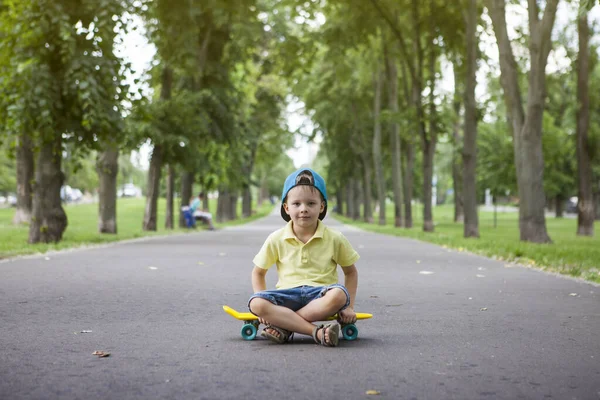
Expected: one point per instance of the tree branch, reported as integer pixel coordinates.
(534, 12)
(399, 35)
(546, 28)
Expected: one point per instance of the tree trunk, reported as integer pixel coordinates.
(429, 138)
(187, 182)
(527, 127)
(205, 202)
(48, 219)
(585, 204)
(233, 200)
(471, 225)
(377, 158)
(366, 190)
(224, 205)
(107, 167)
(170, 194)
(156, 162)
(457, 169)
(457, 172)
(25, 175)
(153, 188)
(357, 199)
(559, 206)
(428, 153)
(264, 190)
(350, 200)
(339, 196)
(409, 157)
(392, 77)
(247, 202)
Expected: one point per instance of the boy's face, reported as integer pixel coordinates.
(304, 205)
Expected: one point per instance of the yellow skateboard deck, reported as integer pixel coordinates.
(250, 328)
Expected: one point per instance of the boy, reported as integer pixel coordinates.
(307, 254)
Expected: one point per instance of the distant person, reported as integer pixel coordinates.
(192, 213)
(307, 254)
(200, 214)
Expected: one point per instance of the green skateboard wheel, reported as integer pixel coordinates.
(350, 331)
(249, 331)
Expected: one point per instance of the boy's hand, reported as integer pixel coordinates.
(347, 316)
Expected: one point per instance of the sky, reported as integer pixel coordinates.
(140, 53)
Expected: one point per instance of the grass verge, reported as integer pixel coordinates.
(568, 254)
(83, 226)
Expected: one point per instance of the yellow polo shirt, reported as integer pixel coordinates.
(313, 263)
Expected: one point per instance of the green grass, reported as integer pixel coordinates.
(568, 254)
(83, 226)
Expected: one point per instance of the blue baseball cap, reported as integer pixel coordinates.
(290, 183)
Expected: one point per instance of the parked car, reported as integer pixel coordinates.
(69, 194)
(129, 190)
(10, 200)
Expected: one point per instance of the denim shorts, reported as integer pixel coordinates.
(298, 297)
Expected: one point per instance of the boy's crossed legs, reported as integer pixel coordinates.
(295, 309)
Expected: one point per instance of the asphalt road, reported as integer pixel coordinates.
(446, 325)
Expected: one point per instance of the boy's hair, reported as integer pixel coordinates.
(305, 177)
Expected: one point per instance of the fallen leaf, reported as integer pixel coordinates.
(480, 276)
(480, 269)
(373, 392)
(573, 294)
(425, 272)
(200, 263)
(100, 353)
(222, 254)
(86, 331)
(483, 309)
(152, 268)
(374, 297)
(418, 261)
(46, 258)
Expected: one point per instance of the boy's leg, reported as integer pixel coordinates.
(332, 299)
(324, 307)
(280, 316)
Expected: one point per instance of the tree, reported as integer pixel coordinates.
(471, 225)
(107, 167)
(377, 159)
(585, 205)
(526, 124)
(60, 84)
(25, 170)
(395, 140)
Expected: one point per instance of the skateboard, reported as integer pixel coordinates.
(250, 327)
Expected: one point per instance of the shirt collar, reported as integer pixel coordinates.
(288, 232)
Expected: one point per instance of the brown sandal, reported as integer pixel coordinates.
(333, 330)
(284, 334)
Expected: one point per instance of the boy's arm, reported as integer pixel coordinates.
(351, 283)
(259, 282)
